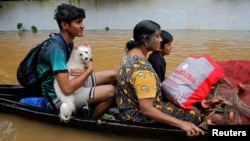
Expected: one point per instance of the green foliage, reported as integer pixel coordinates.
(107, 28)
(19, 26)
(34, 29)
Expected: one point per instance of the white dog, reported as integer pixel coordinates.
(79, 56)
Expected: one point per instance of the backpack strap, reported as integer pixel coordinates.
(54, 109)
(61, 41)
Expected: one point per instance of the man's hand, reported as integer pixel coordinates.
(77, 72)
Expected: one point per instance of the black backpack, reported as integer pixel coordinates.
(27, 74)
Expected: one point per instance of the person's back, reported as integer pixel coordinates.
(156, 58)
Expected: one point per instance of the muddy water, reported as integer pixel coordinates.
(107, 47)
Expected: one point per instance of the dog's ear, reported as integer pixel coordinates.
(86, 44)
(75, 47)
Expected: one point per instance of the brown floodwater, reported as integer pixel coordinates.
(107, 48)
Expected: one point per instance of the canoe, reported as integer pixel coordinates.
(10, 96)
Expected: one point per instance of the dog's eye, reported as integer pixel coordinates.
(86, 52)
(80, 54)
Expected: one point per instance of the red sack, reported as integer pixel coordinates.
(191, 81)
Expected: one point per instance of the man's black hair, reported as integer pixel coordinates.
(68, 13)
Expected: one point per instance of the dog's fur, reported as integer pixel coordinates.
(79, 56)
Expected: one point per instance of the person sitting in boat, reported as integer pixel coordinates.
(156, 58)
(139, 97)
(99, 87)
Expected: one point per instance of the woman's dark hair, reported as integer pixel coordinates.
(68, 13)
(143, 33)
(166, 38)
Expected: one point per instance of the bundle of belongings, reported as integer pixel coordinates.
(228, 103)
(191, 81)
(221, 88)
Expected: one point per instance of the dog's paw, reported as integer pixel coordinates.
(65, 112)
(64, 118)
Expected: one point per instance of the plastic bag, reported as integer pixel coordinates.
(191, 81)
(36, 101)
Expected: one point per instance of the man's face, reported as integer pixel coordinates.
(76, 28)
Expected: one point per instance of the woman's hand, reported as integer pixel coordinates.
(191, 129)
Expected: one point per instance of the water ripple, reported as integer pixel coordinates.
(7, 131)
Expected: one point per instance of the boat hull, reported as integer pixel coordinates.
(10, 94)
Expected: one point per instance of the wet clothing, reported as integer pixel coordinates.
(138, 80)
(159, 64)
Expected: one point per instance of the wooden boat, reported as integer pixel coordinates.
(9, 103)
